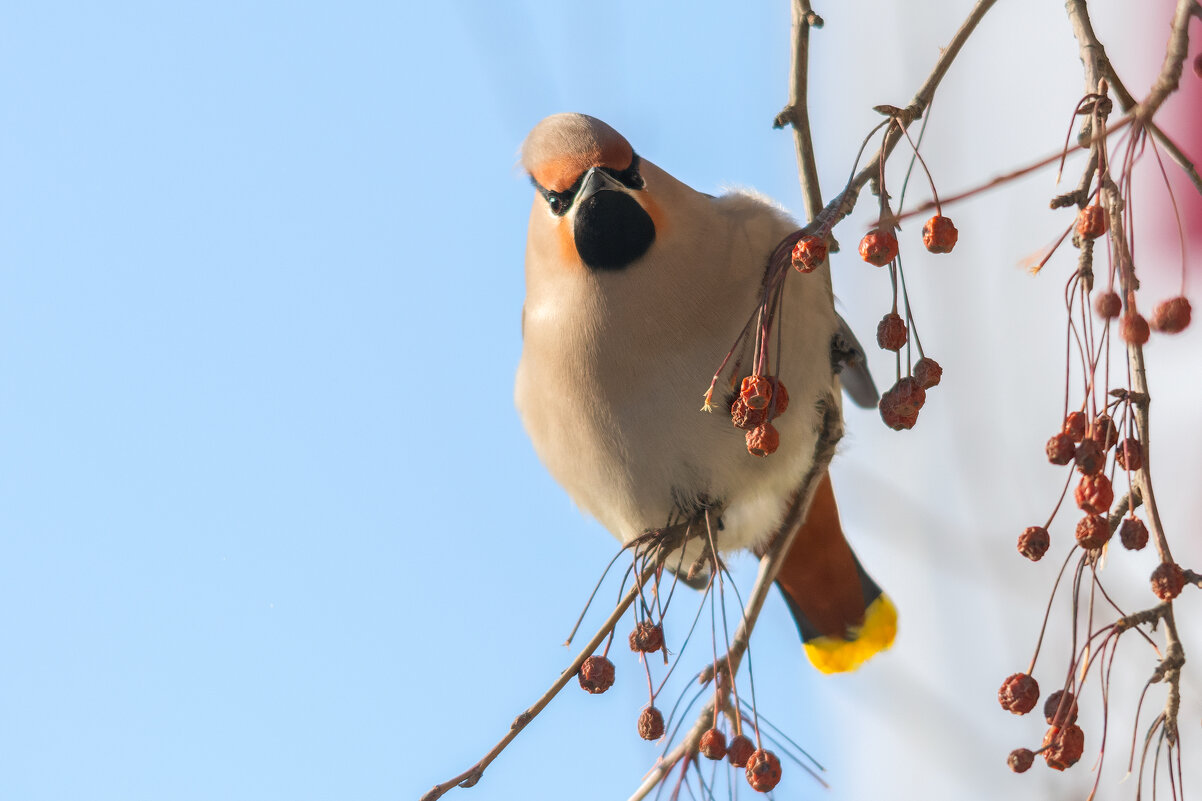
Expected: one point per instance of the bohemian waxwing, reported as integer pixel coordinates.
(637, 286)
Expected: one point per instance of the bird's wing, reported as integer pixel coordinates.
(850, 362)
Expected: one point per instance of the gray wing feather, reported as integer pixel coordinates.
(851, 365)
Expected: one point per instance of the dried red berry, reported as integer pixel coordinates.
(1064, 745)
(939, 235)
(713, 744)
(1090, 457)
(899, 405)
(1094, 494)
(891, 332)
(1091, 222)
(1061, 449)
(1020, 760)
(1060, 709)
(1133, 533)
(1108, 305)
(1134, 328)
(1018, 693)
(1171, 316)
(1167, 581)
(756, 391)
(651, 724)
(1130, 454)
(1102, 430)
(895, 419)
(927, 372)
(1093, 532)
(596, 674)
(739, 751)
(763, 440)
(1033, 543)
(647, 637)
(744, 417)
(1075, 425)
(808, 253)
(878, 247)
(1198, 65)
(763, 771)
(780, 395)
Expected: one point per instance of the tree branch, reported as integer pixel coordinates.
(797, 113)
(845, 202)
(1093, 55)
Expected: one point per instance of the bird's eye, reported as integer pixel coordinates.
(630, 177)
(556, 204)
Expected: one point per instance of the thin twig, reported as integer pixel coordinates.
(472, 775)
(797, 113)
(845, 202)
(824, 449)
(1093, 50)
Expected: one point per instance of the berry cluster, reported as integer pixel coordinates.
(596, 674)
(900, 404)
(761, 399)
(1101, 441)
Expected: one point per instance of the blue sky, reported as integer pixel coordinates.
(270, 525)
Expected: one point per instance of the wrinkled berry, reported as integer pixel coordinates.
(1052, 706)
(1133, 533)
(1090, 457)
(808, 253)
(713, 744)
(1102, 430)
(1172, 316)
(763, 440)
(899, 405)
(878, 247)
(1108, 305)
(596, 674)
(1075, 425)
(1033, 543)
(1130, 454)
(1020, 760)
(1091, 222)
(1018, 693)
(763, 771)
(1065, 744)
(739, 751)
(1093, 532)
(939, 235)
(651, 724)
(1061, 449)
(927, 372)
(1167, 581)
(1094, 494)
(647, 637)
(756, 391)
(1134, 328)
(745, 417)
(891, 332)
(780, 397)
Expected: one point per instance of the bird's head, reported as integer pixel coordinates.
(594, 204)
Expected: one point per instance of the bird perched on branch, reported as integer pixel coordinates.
(637, 286)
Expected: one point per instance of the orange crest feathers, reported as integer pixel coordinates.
(563, 147)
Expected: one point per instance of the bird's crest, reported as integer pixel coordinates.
(563, 147)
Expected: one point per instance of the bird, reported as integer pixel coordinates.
(637, 286)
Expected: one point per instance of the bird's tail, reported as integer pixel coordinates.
(843, 616)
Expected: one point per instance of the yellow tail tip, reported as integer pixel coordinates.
(836, 655)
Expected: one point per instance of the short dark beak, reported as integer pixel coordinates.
(596, 180)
